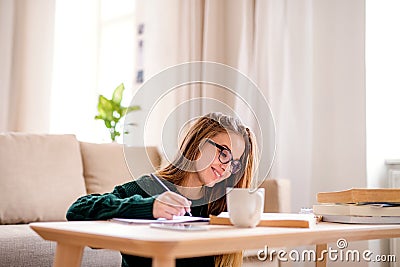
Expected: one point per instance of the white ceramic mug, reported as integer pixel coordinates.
(245, 206)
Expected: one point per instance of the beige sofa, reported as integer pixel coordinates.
(42, 175)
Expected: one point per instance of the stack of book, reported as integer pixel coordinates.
(363, 205)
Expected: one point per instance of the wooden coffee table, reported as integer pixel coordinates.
(164, 246)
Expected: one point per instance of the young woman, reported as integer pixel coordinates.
(216, 153)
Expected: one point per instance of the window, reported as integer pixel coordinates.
(94, 51)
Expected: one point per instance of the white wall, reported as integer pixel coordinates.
(383, 87)
(160, 51)
(339, 134)
(383, 93)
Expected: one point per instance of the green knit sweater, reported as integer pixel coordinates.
(129, 200)
(133, 200)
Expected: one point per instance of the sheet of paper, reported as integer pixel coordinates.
(176, 219)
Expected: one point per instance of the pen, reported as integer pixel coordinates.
(165, 187)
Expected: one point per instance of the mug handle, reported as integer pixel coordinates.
(259, 201)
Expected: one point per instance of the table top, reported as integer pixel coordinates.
(142, 240)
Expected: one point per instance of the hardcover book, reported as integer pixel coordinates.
(361, 195)
(357, 210)
(361, 219)
(273, 220)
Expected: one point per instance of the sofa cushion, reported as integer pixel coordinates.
(21, 246)
(142, 160)
(277, 195)
(105, 166)
(40, 177)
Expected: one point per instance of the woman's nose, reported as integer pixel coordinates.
(224, 166)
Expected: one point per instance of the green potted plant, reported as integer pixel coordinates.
(111, 111)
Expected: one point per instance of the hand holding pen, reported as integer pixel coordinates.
(170, 203)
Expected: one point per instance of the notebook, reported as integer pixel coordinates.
(176, 219)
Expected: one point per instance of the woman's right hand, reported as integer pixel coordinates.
(169, 204)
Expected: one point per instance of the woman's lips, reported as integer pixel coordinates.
(216, 173)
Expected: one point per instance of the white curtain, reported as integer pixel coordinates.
(306, 56)
(26, 34)
(309, 62)
(179, 31)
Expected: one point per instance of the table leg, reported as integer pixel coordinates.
(163, 262)
(68, 255)
(321, 250)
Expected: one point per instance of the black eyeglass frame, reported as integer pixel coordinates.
(236, 165)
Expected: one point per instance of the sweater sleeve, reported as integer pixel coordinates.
(125, 201)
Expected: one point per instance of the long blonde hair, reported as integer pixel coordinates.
(176, 172)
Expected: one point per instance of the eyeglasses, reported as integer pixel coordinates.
(225, 156)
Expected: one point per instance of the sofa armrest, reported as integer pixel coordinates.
(277, 195)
